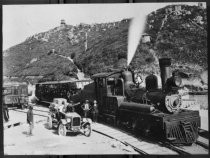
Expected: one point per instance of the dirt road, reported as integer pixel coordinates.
(48, 142)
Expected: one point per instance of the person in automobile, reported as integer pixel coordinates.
(69, 107)
(60, 110)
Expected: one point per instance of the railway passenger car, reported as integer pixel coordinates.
(15, 94)
(47, 91)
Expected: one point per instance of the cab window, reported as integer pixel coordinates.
(24, 91)
(15, 91)
(101, 82)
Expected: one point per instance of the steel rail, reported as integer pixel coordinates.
(125, 143)
(204, 145)
(40, 110)
(26, 112)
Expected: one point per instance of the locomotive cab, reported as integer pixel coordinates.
(110, 93)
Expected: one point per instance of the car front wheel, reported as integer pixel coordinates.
(87, 130)
(62, 130)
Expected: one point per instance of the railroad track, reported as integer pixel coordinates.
(203, 133)
(144, 146)
(138, 144)
(149, 146)
(19, 121)
(35, 113)
(203, 139)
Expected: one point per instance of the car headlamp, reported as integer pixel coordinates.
(68, 120)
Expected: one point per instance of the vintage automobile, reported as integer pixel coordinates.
(67, 121)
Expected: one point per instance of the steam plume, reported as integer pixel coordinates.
(136, 29)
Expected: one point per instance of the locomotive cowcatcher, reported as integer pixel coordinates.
(150, 111)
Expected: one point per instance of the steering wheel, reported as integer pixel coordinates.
(132, 86)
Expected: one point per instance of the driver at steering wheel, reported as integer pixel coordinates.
(69, 107)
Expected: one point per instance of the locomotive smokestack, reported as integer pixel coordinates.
(164, 64)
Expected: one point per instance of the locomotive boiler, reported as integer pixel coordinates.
(151, 111)
(167, 102)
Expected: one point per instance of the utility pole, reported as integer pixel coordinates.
(85, 41)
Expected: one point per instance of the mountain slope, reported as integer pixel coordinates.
(181, 35)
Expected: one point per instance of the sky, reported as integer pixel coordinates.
(22, 21)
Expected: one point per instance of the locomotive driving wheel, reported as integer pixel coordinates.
(62, 130)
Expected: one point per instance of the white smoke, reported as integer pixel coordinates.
(136, 29)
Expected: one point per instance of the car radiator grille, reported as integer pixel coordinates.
(76, 121)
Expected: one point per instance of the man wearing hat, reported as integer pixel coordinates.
(86, 108)
(5, 110)
(95, 111)
(69, 107)
(30, 119)
(173, 83)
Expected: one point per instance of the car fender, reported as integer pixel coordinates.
(85, 123)
(63, 121)
(86, 120)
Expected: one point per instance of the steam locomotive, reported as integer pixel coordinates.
(149, 111)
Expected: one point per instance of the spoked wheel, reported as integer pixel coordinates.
(49, 122)
(61, 130)
(87, 130)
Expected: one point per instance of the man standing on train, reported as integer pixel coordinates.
(173, 83)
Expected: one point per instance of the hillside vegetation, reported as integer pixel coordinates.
(180, 35)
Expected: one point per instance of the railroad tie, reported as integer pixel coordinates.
(13, 125)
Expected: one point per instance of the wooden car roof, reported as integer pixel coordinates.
(106, 74)
(68, 81)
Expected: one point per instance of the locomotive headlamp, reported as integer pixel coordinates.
(178, 81)
(152, 108)
(68, 120)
